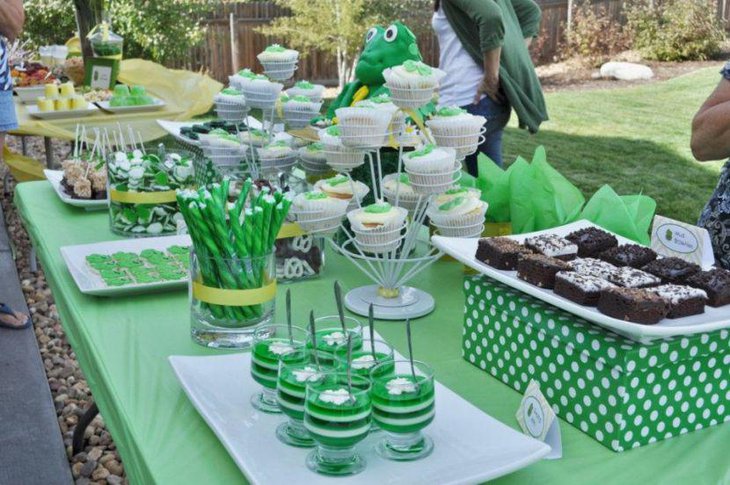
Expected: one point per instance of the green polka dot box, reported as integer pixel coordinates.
(622, 393)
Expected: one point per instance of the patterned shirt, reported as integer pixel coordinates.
(6, 81)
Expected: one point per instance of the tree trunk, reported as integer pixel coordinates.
(88, 14)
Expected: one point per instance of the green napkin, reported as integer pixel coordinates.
(541, 197)
(628, 215)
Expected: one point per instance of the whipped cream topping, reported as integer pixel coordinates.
(280, 348)
(308, 374)
(337, 397)
(363, 362)
(400, 385)
(335, 338)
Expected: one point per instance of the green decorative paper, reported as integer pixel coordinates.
(622, 393)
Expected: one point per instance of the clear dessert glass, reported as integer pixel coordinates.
(337, 417)
(329, 334)
(403, 404)
(370, 354)
(290, 393)
(273, 344)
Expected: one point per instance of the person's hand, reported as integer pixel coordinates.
(489, 87)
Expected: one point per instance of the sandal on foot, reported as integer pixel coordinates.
(12, 319)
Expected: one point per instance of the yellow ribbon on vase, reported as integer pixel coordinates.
(163, 197)
(228, 297)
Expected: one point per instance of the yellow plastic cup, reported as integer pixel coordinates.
(63, 104)
(67, 90)
(45, 104)
(51, 91)
(79, 102)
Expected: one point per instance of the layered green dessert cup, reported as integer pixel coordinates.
(329, 335)
(290, 393)
(273, 344)
(403, 401)
(337, 415)
(370, 354)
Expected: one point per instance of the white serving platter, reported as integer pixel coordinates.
(54, 178)
(29, 94)
(61, 115)
(90, 283)
(464, 251)
(173, 128)
(470, 446)
(156, 105)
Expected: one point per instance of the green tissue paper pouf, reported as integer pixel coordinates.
(625, 394)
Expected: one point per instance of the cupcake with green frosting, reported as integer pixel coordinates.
(454, 127)
(306, 88)
(261, 92)
(364, 126)
(412, 84)
(378, 227)
(299, 110)
(276, 155)
(315, 211)
(230, 105)
(461, 216)
(255, 137)
(398, 188)
(279, 62)
(383, 102)
(430, 168)
(240, 78)
(343, 187)
(313, 158)
(457, 192)
(340, 157)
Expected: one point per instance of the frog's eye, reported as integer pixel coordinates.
(371, 33)
(391, 33)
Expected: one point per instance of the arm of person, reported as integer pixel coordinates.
(488, 17)
(12, 18)
(711, 126)
(528, 15)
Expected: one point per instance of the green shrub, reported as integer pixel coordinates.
(676, 30)
(594, 36)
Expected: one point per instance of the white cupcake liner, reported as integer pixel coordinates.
(279, 164)
(313, 162)
(410, 98)
(471, 219)
(315, 94)
(231, 112)
(380, 239)
(434, 183)
(364, 127)
(319, 216)
(261, 94)
(298, 115)
(225, 155)
(470, 232)
(279, 70)
(465, 138)
(441, 160)
(343, 159)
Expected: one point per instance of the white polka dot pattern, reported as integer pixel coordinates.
(622, 393)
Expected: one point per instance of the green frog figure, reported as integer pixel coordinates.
(383, 48)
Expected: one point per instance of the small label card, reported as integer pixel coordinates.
(674, 238)
(537, 419)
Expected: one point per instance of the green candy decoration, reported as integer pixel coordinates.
(452, 204)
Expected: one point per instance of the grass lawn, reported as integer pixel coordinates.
(635, 139)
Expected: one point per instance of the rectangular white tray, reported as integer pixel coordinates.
(173, 128)
(156, 105)
(470, 446)
(61, 115)
(54, 177)
(90, 283)
(464, 250)
(29, 94)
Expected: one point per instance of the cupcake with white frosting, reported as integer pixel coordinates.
(299, 110)
(412, 84)
(315, 211)
(363, 126)
(454, 127)
(378, 227)
(457, 192)
(343, 187)
(261, 92)
(305, 88)
(339, 157)
(279, 62)
(277, 155)
(431, 169)
(461, 216)
(398, 187)
(385, 103)
(313, 158)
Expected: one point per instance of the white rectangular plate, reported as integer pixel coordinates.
(61, 115)
(157, 104)
(464, 250)
(470, 446)
(90, 283)
(54, 178)
(29, 94)
(173, 128)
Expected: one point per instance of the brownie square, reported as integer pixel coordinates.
(552, 246)
(539, 269)
(672, 270)
(629, 255)
(500, 252)
(580, 288)
(593, 267)
(683, 300)
(629, 277)
(715, 282)
(592, 241)
(633, 305)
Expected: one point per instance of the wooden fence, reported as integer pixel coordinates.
(214, 54)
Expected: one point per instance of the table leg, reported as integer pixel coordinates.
(77, 441)
(24, 145)
(49, 151)
(33, 260)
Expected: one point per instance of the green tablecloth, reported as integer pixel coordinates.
(122, 346)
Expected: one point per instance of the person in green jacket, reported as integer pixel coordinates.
(484, 51)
